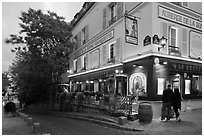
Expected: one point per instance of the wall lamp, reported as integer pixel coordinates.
(162, 42)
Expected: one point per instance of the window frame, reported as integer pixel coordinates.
(176, 37)
(83, 36)
(75, 65)
(109, 50)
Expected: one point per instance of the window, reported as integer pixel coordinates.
(111, 53)
(196, 85)
(112, 7)
(83, 33)
(83, 62)
(75, 65)
(137, 84)
(111, 50)
(173, 45)
(75, 42)
(173, 37)
(95, 59)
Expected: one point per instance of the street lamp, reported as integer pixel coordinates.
(163, 42)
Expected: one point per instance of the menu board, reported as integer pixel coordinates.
(160, 85)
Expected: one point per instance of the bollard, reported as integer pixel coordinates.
(122, 120)
(25, 117)
(30, 121)
(36, 127)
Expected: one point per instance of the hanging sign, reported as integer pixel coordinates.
(131, 28)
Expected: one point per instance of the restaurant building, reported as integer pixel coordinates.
(137, 47)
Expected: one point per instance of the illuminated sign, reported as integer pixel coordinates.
(179, 18)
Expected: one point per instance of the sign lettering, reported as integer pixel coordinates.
(98, 42)
(179, 18)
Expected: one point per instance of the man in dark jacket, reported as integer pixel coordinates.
(166, 103)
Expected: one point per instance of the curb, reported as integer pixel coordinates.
(100, 122)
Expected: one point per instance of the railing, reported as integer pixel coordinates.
(110, 104)
(112, 20)
(111, 60)
(174, 51)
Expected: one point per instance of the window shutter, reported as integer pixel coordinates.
(104, 18)
(78, 64)
(79, 39)
(104, 54)
(184, 48)
(165, 30)
(119, 10)
(86, 33)
(117, 50)
(86, 62)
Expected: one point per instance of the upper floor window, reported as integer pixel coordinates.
(112, 7)
(75, 42)
(173, 36)
(83, 33)
(75, 65)
(111, 58)
(83, 62)
(173, 42)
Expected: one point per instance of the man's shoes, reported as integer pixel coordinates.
(163, 120)
(178, 119)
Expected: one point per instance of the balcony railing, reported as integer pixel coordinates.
(111, 60)
(83, 69)
(112, 20)
(174, 51)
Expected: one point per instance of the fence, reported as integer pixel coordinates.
(110, 104)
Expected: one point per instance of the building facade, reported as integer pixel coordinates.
(118, 49)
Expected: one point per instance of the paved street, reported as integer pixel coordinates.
(191, 125)
(65, 126)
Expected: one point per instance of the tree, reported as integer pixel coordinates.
(5, 82)
(42, 49)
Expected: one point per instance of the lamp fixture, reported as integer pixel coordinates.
(163, 42)
(165, 63)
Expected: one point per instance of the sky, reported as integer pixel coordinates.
(11, 11)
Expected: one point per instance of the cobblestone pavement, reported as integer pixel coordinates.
(15, 126)
(191, 125)
(66, 126)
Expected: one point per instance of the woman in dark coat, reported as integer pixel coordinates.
(177, 103)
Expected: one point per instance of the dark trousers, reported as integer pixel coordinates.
(176, 111)
(166, 110)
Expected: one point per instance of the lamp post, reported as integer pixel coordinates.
(162, 42)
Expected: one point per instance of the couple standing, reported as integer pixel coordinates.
(169, 99)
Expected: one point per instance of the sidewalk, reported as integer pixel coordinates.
(191, 122)
(15, 126)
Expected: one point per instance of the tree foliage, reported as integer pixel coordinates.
(5, 81)
(42, 48)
